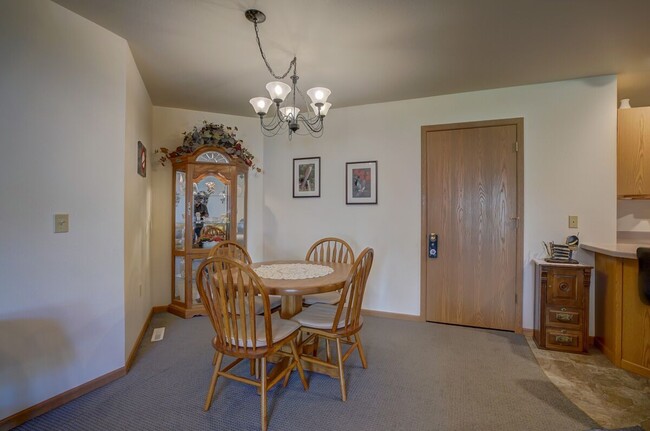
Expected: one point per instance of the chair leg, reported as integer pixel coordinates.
(257, 368)
(339, 353)
(264, 382)
(214, 358)
(252, 366)
(301, 372)
(327, 350)
(213, 382)
(362, 354)
(316, 345)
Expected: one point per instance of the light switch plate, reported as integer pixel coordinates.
(61, 223)
(573, 222)
(158, 334)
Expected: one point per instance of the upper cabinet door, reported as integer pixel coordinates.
(633, 153)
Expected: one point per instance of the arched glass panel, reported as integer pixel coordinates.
(212, 157)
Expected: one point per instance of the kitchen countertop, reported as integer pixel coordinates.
(626, 251)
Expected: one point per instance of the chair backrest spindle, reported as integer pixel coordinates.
(226, 285)
(330, 250)
(232, 250)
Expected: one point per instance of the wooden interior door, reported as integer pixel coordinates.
(470, 190)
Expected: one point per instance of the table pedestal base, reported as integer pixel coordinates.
(291, 305)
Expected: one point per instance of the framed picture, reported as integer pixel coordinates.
(361, 182)
(306, 177)
(142, 159)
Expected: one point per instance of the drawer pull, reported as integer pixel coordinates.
(562, 309)
(564, 339)
(564, 317)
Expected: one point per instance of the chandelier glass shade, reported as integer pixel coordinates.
(288, 115)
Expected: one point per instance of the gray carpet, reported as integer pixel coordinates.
(421, 376)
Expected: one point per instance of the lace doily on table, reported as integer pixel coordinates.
(292, 271)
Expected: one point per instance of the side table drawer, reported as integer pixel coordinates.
(564, 339)
(564, 317)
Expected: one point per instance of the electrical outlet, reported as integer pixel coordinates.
(573, 222)
(61, 223)
(158, 334)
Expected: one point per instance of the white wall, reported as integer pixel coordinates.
(137, 207)
(633, 215)
(62, 117)
(168, 126)
(570, 169)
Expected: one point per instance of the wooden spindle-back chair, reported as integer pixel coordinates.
(232, 250)
(328, 250)
(225, 285)
(340, 323)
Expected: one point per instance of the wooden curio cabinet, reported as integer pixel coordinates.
(209, 195)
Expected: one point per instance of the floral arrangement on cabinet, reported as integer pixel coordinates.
(211, 134)
(209, 241)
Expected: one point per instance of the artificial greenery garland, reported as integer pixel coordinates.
(211, 134)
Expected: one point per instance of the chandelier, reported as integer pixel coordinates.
(288, 116)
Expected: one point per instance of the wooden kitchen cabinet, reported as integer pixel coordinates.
(562, 306)
(622, 314)
(633, 153)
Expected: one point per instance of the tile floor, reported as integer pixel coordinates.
(612, 396)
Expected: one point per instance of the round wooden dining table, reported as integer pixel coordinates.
(292, 291)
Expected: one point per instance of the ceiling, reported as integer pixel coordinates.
(202, 54)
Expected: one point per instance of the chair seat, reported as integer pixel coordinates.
(321, 316)
(281, 329)
(322, 298)
(274, 302)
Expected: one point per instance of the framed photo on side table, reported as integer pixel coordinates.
(306, 177)
(361, 182)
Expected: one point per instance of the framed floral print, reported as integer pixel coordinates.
(306, 177)
(361, 182)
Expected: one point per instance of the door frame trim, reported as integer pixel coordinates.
(519, 288)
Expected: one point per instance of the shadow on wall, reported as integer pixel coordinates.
(270, 251)
(29, 348)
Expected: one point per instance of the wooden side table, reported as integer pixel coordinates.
(562, 306)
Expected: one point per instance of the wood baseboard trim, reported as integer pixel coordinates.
(145, 326)
(58, 400)
(159, 309)
(389, 315)
(635, 368)
(69, 395)
(138, 341)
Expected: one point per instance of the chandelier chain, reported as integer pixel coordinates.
(268, 66)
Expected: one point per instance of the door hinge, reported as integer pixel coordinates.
(515, 146)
